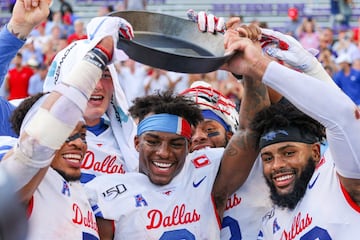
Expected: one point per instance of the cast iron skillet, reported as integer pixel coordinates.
(172, 43)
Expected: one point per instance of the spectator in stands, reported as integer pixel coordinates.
(105, 10)
(326, 53)
(79, 31)
(17, 79)
(348, 79)
(56, 20)
(68, 22)
(37, 80)
(158, 80)
(180, 81)
(345, 11)
(356, 61)
(356, 34)
(308, 34)
(327, 59)
(39, 36)
(65, 7)
(335, 16)
(210, 78)
(32, 63)
(56, 42)
(135, 4)
(29, 51)
(326, 37)
(344, 45)
(131, 77)
(294, 22)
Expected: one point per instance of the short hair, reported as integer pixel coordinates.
(285, 114)
(18, 115)
(166, 102)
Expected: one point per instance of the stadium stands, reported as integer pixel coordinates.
(274, 13)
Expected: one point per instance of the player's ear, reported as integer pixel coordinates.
(316, 152)
(137, 142)
(228, 135)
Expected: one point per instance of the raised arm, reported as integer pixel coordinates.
(240, 153)
(12, 37)
(323, 101)
(48, 124)
(25, 16)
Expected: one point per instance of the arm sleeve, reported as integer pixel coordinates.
(9, 46)
(327, 104)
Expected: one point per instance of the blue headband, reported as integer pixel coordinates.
(165, 123)
(208, 114)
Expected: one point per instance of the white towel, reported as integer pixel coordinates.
(121, 123)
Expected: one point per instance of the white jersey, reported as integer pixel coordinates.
(325, 212)
(60, 210)
(246, 207)
(103, 156)
(183, 209)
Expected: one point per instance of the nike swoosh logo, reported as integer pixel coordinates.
(313, 183)
(198, 183)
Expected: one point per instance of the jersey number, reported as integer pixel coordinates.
(233, 227)
(88, 236)
(316, 233)
(180, 234)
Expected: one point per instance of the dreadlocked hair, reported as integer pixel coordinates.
(166, 102)
(286, 115)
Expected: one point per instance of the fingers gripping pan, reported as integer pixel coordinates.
(172, 43)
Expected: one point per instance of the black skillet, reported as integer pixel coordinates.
(172, 43)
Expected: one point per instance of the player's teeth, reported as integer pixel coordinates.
(96, 97)
(283, 178)
(72, 156)
(162, 165)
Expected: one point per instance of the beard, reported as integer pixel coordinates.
(68, 177)
(291, 199)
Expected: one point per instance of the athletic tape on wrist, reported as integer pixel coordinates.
(21, 168)
(73, 94)
(84, 77)
(97, 57)
(105, 51)
(48, 130)
(66, 111)
(24, 156)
